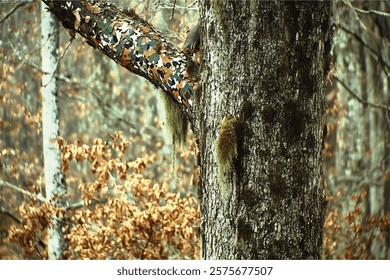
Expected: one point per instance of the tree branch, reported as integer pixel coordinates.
(22, 191)
(59, 60)
(147, 242)
(375, 12)
(134, 44)
(82, 203)
(13, 10)
(173, 9)
(8, 213)
(98, 102)
(361, 23)
(361, 100)
(385, 65)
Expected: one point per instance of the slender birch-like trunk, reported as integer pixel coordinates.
(54, 179)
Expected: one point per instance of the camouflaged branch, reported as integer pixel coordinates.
(131, 42)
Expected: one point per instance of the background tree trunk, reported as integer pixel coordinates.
(361, 142)
(261, 114)
(54, 179)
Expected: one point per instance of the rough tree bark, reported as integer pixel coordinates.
(259, 121)
(262, 112)
(54, 178)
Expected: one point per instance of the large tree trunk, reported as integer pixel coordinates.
(261, 128)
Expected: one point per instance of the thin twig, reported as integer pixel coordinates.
(100, 102)
(58, 62)
(48, 38)
(362, 25)
(8, 213)
(147, 244)
(82, 203)
(360, 40)
(76, 205)
(13, 10)
(37, 49)
(178, 7)
(375, 12)
(22, 191)
(361, 100)
(173, 9)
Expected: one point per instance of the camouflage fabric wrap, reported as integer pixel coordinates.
(131, 42)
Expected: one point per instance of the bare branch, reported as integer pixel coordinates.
(183, 9)
(8, 213)
(48, 38)
(147, 243)
(385, 65)
(59, 60)
(13, 10)
(82, 203)
(375, 12)
(379, 106)
(173, 9)
(76, 205)
(362, 25)
(22, 191)
(107, 110)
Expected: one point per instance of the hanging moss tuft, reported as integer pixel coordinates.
(226, 152)
(176, 121)
(176, 125)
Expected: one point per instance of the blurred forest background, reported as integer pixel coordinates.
(130, 194)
